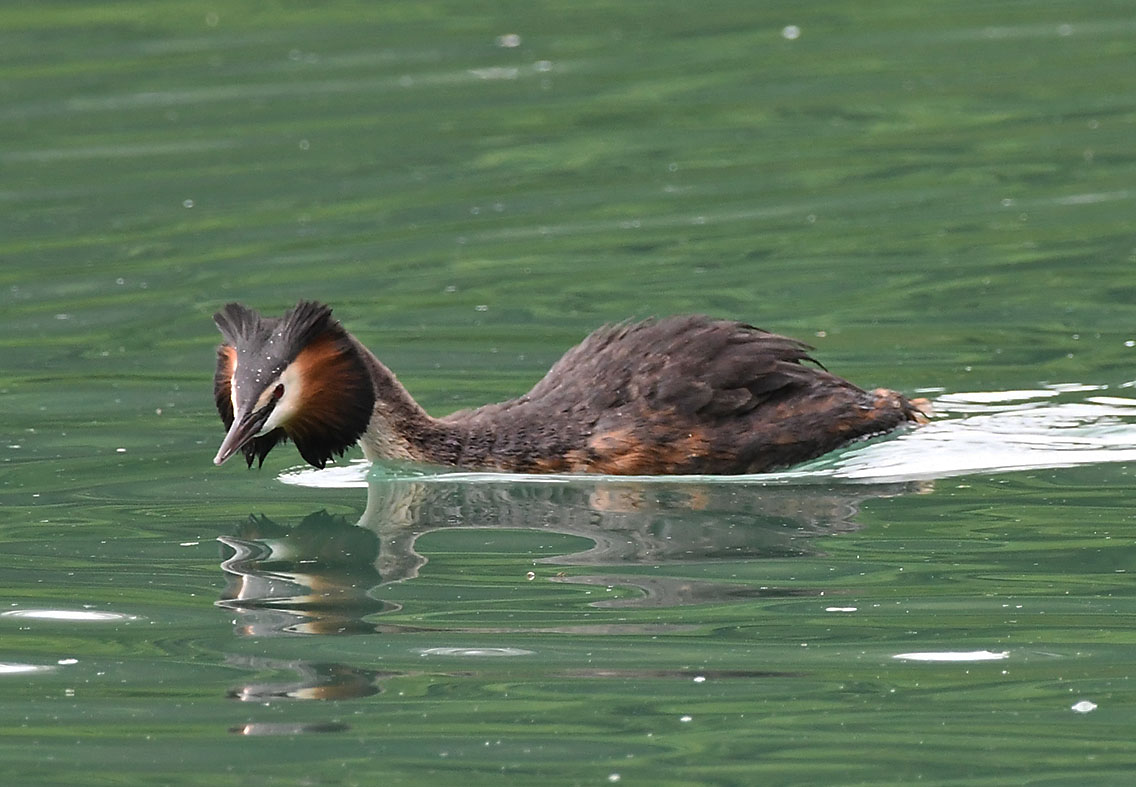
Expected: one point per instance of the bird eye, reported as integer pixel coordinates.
(278, 392)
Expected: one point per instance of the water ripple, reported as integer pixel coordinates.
(67, 615)
(953, 655)
(475, 652)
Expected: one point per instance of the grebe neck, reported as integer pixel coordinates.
(399, 427)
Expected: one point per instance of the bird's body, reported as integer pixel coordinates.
(681, 395)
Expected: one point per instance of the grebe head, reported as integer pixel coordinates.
(298, 377)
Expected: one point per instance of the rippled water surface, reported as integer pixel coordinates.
(940, 199)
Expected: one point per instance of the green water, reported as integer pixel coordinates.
(940, 198)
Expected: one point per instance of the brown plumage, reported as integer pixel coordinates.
(679, 395)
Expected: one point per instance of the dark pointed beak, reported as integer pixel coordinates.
(243, 429)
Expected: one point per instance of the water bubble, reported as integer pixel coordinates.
(187, 203)
(1084, 706)
(790, 32)
(509, 41)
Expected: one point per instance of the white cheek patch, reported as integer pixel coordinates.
(233, 384)
(287, 405)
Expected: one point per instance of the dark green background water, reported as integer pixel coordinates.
(939, 197)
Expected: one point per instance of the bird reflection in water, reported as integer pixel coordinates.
(313, 578)
(326, 575)
(307, 680)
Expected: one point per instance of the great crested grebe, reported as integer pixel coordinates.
(680, 395)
